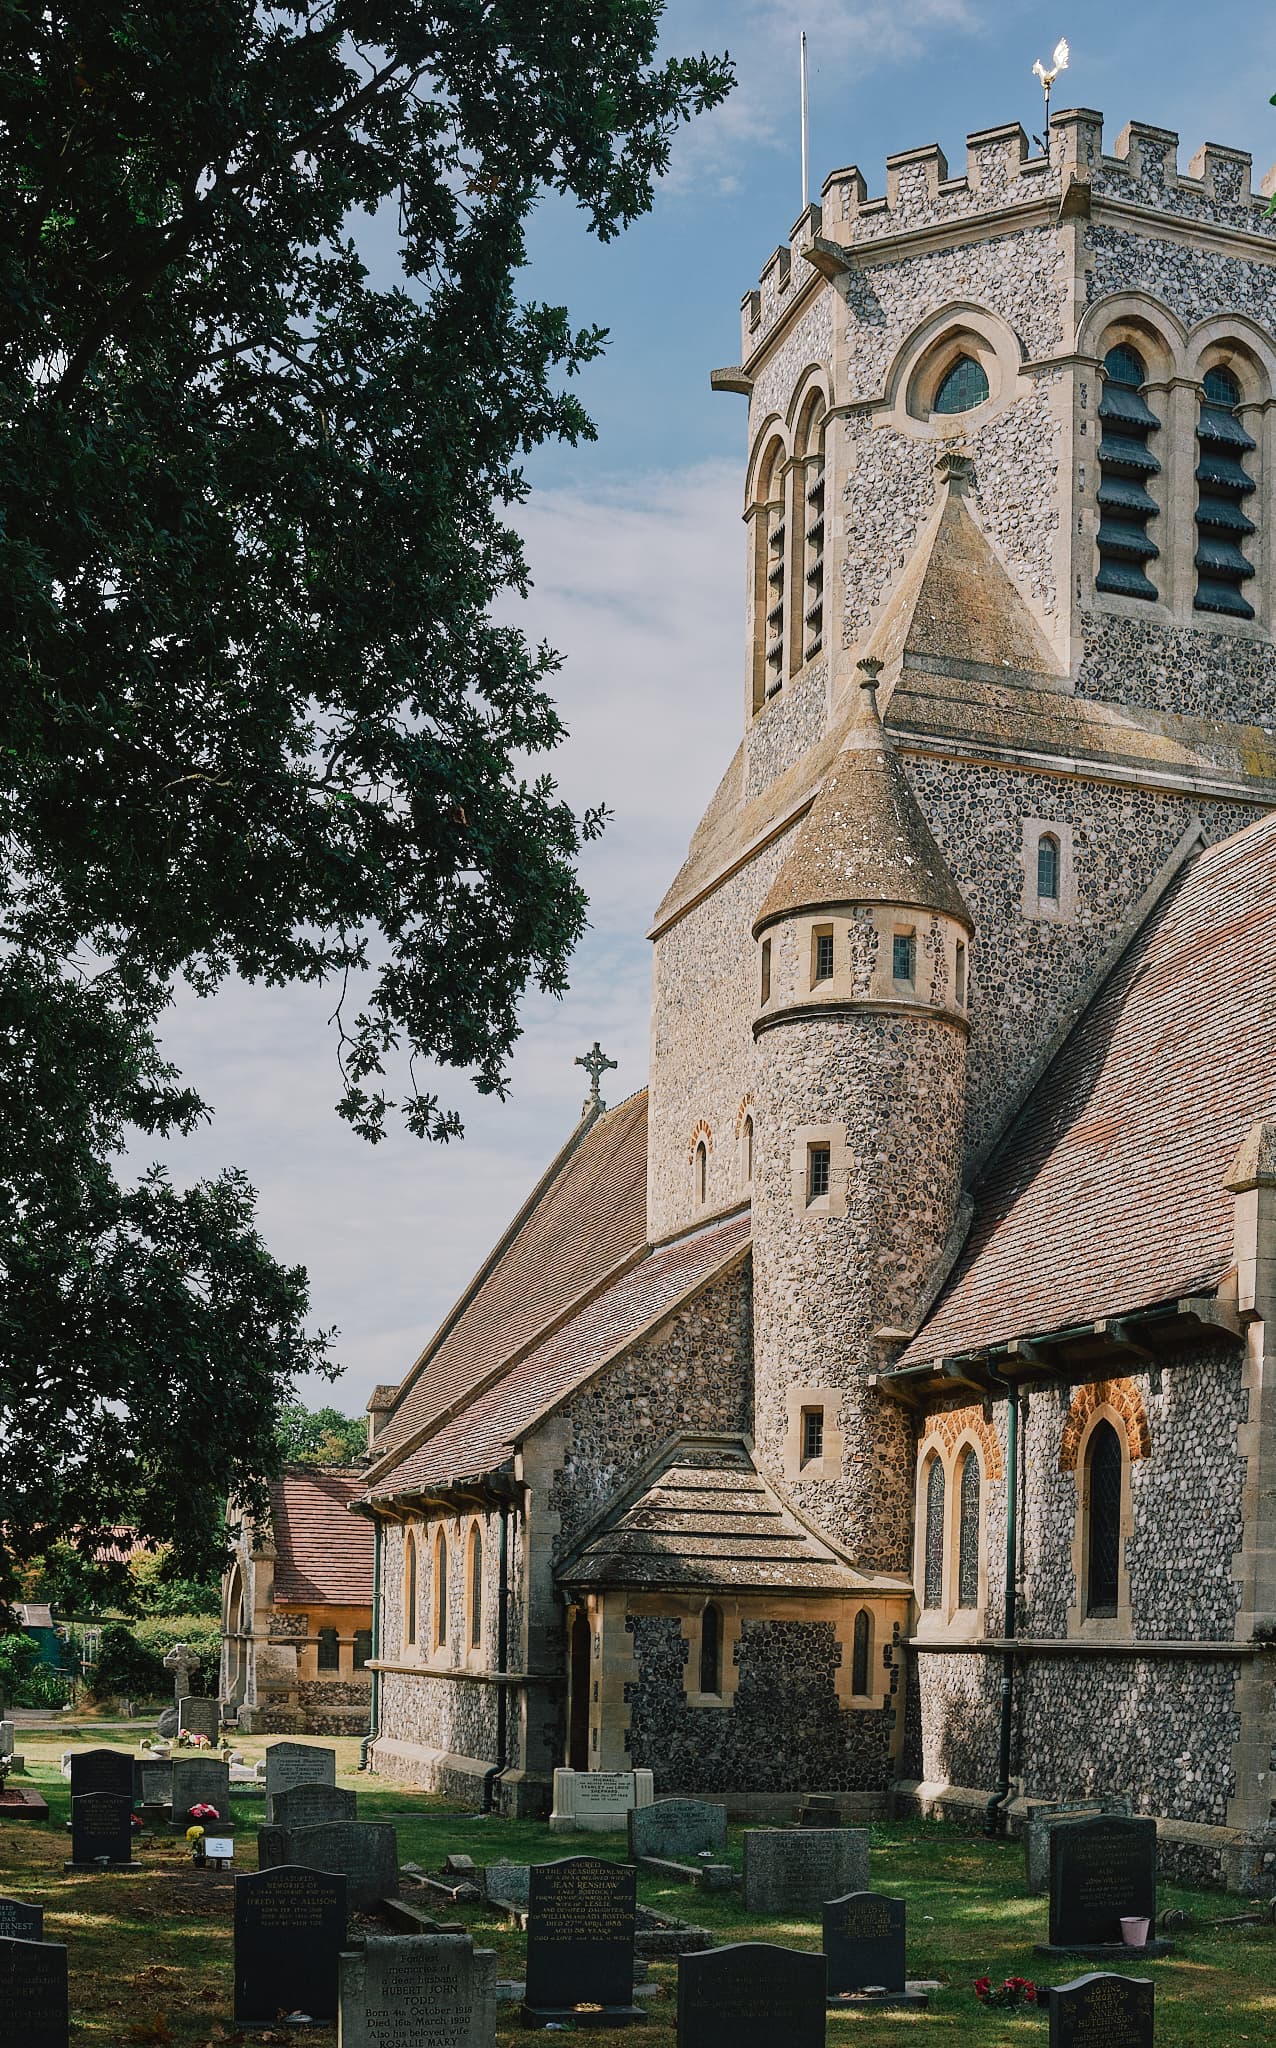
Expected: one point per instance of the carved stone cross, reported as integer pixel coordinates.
(595, 1062)
(181, 1661)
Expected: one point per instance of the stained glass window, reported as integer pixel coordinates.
(934, 1585)
(817, 1172)
(964, 386)
(1048, 867)
(329, 1650)
(1103, 1548)
(859, 1654)
(968, 1535)
(711, 1649)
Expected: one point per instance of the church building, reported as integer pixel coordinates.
(880, 1404)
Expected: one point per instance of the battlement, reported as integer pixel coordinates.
(1001, 178)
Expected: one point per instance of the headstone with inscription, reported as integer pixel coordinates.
(418, 1991)
(196, 1716)
(101, 1827)
(675, 1829)
(290, 1928)
(101, 1770)
(297, 1763)
(1044, 1814)
(366, 1852)
(794, 1870)
(157, 1781)
(21, 1922)
(1101, 1870)
(33, 1996)
(509, 1882)
(1101, 2011)
(864, 1942)
(598, 1801)
(752, 1994)
(313, 1806)
(199, 1781)
(582, 1915)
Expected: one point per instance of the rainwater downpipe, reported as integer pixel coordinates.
(374, 1705)
(995, 1812)
(502, 1662)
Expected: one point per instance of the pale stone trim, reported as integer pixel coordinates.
(1050, 910)
(1093, 1628)
(829, 1466)
(949, 1624)
(885, 1610)
(834, 1202)
(692, 1625)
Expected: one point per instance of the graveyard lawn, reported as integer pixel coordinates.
(150, 1954)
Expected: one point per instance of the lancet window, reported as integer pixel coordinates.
(1126, 465)
(1223, 485)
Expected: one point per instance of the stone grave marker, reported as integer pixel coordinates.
(101, 1825)
(677, 1829)
(157, 1781)
(21, 1922)
(181, 1660)
(101, 1770)
(196, 1716)
(290, 1928)
(582, 1916)
(1100, 1870)
(510, 1882)
(1102, 2011)
(790, 1870)
(6, 1738)
(313, 1806)
(199, 1780)
(598, 1800)
(1045, 1814)
(418, 1991)
(752, 1994)
(33, 2000)
(864, 1942)
(297, 1763)
(366, 1852)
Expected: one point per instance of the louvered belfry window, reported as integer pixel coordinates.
(1126, 464)
(1103, 1516)
(813, 602)
(968, 1535)
(1222, 525)
(933, 1592)
(775, 537)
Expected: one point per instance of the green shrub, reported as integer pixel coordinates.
(126, 1666)
(202, 1634)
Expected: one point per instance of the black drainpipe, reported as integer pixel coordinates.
(995, 1812)
(374, 1705)
(502, 1663)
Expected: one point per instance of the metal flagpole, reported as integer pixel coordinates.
(806, 195)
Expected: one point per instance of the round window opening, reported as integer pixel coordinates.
(963, 387)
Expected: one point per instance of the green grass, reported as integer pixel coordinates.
(150, 1955)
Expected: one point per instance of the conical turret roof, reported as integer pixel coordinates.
(864, 839)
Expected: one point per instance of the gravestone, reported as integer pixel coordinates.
(6, 1738)
(101, 1770)
(199, 1780)
(157, 1781)
(101, 1825)
(510, 1882)
(20, 1922)
(33, 2000)
(864, 1942)
(1101, 2011)
(290, 1928)
(582, 1915)
(313, 1806)
(677, 1829)
(598, 1800)
(1100, 1869)
(418, 1991)
(297, 1763)
(197, 1716)
(792, 1870)
(181, 1661)
(751, 1994)
(366, 1852)
(1045, 1814)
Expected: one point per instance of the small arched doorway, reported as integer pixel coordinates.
(578, 1731)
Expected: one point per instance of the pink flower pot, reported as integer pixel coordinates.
(1134, 1931)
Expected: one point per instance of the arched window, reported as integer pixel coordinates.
(362, 1648)
(409, 1591)
(933, 1588)
(711, 1649)
(960, 975)
(968, 1533)
(810, 498)
(329, 1658)
(476, 1586)
(1125, 465)
(1048, 868)
(1103, 1520)
(962, 387)
(440, 1590)
(1222, 486)
(859, 1654)
(746, 1144)
(702, 1173)
(770, 532)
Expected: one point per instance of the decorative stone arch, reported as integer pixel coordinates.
(772, 443)
(1145, 322)
(701, 1134)
(1123, 1404)
(951, 1424)
(925, 357)
(1235, 342)
(745, 1109)
(812, 383)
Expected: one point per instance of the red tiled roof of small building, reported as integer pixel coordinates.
(323, 1553)
(1107, 1193)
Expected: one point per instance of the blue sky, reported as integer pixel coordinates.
(637, 553)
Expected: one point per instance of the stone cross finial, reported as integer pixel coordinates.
(595, 1062)
(181, 1661)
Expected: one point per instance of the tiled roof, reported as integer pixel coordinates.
(322, 1552)
(1107, 1193)
(707, 1517)
(587, 1215)
(480, 1438)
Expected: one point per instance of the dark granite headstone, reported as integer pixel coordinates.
(677, 1828)
(101, 1825)
(196, 1716)
(864, 1942)
(199, 1781)
(290, 1928)
(418, 1991)
(102, 1770)
(297, 1763)
(33, 2002)
(582, 1914)
(752, 1994)
(366, 1852)
(1101, 2011)
(21, 1922)
(1100, 1870)
(313, 1806)
(793, 1870)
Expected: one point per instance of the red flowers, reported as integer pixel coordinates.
(1012, 1992)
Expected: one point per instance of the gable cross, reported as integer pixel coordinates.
(595, 1062)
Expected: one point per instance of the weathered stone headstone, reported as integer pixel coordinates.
(102, 1770)
(418, 1991)
(751, 1994)
(166, 1725)
(199, 1781)
(21, 1922)
(366, 1853)
(181, 1660)
(33, 2000)
(1101, 2011)
(297, 1763)
(196, 1716)
(6, 1738)
(582, 1915)
(290, 1928)
(864, 1942)
(101, 1825)
(789, 1870)
(313, 1806)
(598, 1800)
(157, 1781)
(509, 1882)
(1100, 1870)
(677, 1829)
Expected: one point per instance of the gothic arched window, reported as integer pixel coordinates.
(859, 1653)
(809, 501)
(1125, 464)
(1048, 868)
(968, 1533)
(702, 1173)
(933, 1585)
(1103, 1473)
(962, 387)
(746, 1139)
(770, 544)
(1222, 486)
(329, 1658)
(476, 1585)
(440, 1590)
(409, 1591)
(711, 1649)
